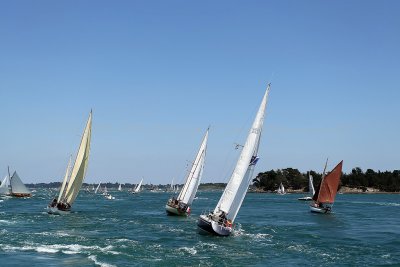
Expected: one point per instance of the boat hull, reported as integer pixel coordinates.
(206, 225)
(56, 211)
(320, 210)
(21, 195)
(174, 211)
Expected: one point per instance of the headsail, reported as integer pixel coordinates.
(311, 185)
(81, 163)
(192, 182)
(4, 189)
(66, 177)
(236, 189)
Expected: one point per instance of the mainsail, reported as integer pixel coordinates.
(192, 182)
(80, 166)
(329, 185)
(17, 186)
(137, 188)
(97, 188)
(236, 189)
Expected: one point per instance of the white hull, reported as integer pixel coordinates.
(320, 210)
(209, 226)
(174, 211)
(56, 211)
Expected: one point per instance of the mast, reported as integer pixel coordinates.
(236, 189)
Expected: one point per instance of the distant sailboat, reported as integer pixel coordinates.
(181, 205)
(4, 187)
(97, 188)
(281, 190)
(137, 188)
(17, 187)
(311, 189)
(73, 180)
(220, 221)
(325, 194)
(120, 187)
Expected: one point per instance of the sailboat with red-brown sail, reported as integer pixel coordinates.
(325, 194)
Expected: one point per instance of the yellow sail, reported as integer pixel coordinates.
(81, 163)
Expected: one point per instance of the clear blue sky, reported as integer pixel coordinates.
(157, 73)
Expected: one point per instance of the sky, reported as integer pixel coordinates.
(158, 73)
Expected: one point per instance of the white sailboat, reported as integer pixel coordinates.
(17, 187)
(137, 188)
(181, 205)
(120, 187)
(311, 189)
(73, 180)
(281, 190)
(220, 221)
(4, 187)
(97, 188)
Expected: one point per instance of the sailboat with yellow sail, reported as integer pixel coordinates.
(73, 178)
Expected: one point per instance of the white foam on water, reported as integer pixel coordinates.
(6, 222)
(101, 264)
(191, 251)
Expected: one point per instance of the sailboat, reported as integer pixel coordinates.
(97, 188)
(137, 188)
(73, 179)
(220, 221)
(281, 190)
(311, 189)
(17, 187)
(120, 187)
(181, 205)
(325, 194)
(4, 187)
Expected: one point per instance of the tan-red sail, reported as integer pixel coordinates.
(329, 185)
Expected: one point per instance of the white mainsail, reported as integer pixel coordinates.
(80, 166)
(4, 188)
(17, 186)
(192, 182)
(97, 188)
(119, 187)
(236, 189)
(137, 188)
(311, 185)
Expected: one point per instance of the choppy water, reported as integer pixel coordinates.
(133, 230)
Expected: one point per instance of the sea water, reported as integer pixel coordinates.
(134, 230)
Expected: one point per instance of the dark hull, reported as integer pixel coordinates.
(205, 227)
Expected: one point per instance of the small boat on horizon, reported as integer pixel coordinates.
(281, 190)
(325, 194)
(181, 205)
(220, 221)
(136, 190)
(73, 179)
